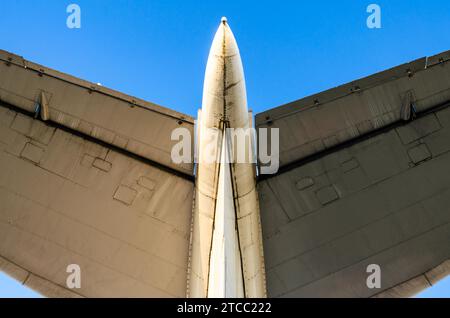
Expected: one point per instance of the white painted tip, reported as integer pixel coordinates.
(224, 20)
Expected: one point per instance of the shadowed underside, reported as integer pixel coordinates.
(86, 178)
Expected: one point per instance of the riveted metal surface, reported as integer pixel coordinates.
(392, 209)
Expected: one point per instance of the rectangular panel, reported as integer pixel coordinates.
(384, 200)
(66, 200)
(126, 122)
(319, 122)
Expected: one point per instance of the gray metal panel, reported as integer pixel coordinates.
(438, 58)
(66, 200)
(383, 200)
(322, 121)
(127, 122)
(419, 283)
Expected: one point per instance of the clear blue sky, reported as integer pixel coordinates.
(157, 50)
